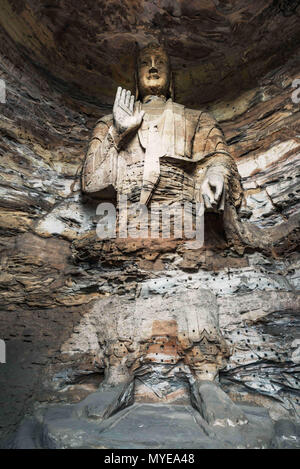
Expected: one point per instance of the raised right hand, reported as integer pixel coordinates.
(125, 120)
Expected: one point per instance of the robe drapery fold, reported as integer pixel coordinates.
(179, 134)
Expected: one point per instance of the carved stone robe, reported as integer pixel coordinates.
(164, 161)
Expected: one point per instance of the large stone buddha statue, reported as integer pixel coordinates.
(152, 149)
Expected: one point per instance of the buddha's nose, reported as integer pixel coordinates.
(153, 70)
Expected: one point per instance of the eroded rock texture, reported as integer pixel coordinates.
(61, 63)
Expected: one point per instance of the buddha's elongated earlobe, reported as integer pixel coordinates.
(171, 88)
(136, 86)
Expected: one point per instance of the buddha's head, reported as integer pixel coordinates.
(153, 72)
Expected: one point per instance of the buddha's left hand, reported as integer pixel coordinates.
(212, 190)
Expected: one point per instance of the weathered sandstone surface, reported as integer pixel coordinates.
(60, 286)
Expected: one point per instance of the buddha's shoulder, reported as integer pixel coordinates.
(194, 114)
(202, 114)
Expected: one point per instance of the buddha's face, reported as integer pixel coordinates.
(153, 73)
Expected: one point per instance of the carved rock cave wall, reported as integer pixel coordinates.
(61, 63)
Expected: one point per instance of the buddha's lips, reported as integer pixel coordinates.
(154, 76)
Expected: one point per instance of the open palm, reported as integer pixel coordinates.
(125, 119)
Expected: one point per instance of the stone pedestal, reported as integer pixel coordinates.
(161, 353)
